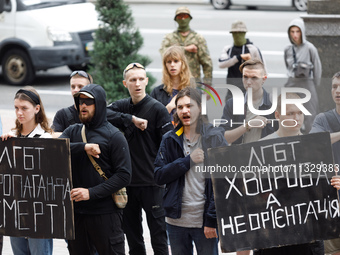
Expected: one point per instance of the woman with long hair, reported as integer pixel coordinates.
(176, 76)
(31, 122)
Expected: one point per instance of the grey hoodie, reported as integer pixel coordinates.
(305, 52)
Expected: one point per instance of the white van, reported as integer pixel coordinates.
(41, 34)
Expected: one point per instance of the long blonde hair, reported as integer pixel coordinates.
(186, 78)
(40, 117)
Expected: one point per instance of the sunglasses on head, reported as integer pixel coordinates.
(87, 101)
(81, 73)
(132, 65)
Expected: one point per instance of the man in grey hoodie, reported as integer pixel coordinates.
(303, 67)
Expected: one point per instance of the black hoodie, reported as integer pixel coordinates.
(114, 158)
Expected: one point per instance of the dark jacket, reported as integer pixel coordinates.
(160, 95)
(114, 158)
(228, 115)
(64, 118)
(171, 166)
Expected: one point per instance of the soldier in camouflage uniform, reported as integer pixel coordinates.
(194, 44)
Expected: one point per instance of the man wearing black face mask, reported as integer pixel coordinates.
(233, 56)
(194, 45)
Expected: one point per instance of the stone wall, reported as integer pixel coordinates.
(323, 30)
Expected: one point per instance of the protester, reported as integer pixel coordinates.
(234, 55)
(254, 75)
(303, 67)
(31, 122)
(194, 45)
(330, 122)
(292, 120)
(290, 124)
(189, 200)
(69, 116)
(96, 216)
(176, 76)
(143, 192)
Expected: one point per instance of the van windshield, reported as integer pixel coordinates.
(37, 4)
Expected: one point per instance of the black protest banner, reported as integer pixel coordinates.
(35, 185)
(275, 192)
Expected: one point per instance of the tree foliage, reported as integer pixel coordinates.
(116, 44)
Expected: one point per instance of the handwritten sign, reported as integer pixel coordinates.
(35, 185)
(275, 192)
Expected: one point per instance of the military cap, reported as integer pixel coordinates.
(182, 9)
(238, 26)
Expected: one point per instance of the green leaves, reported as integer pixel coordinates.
(116, 44)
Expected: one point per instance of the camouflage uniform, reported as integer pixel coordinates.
(195, 60)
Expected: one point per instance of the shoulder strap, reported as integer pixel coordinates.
(332, 120)
(294, 54)
(69, 116)
(94, 163)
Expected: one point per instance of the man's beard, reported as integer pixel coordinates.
(86, 119)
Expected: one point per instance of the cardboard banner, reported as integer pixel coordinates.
(275, 192)
(35, 185)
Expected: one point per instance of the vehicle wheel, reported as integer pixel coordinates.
(220, 4)
(79, 67)
(17, 68)
(300, 5)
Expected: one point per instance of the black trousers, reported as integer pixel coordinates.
(102, 232)
(150, 199)
(1, 241)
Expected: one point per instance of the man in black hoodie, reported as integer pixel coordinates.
(97, 219)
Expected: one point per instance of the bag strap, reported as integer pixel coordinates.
(94, 163)
(332, 120)
(70, 118)
(294, 54)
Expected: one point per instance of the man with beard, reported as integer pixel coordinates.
(69, 115)
(97, 218)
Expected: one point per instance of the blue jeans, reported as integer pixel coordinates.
(181, 241)
(31, 246)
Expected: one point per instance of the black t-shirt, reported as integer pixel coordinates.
(64, 118)
(143, 145)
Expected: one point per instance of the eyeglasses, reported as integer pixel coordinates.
(87, 101)
(132, 65)
(81, 73)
